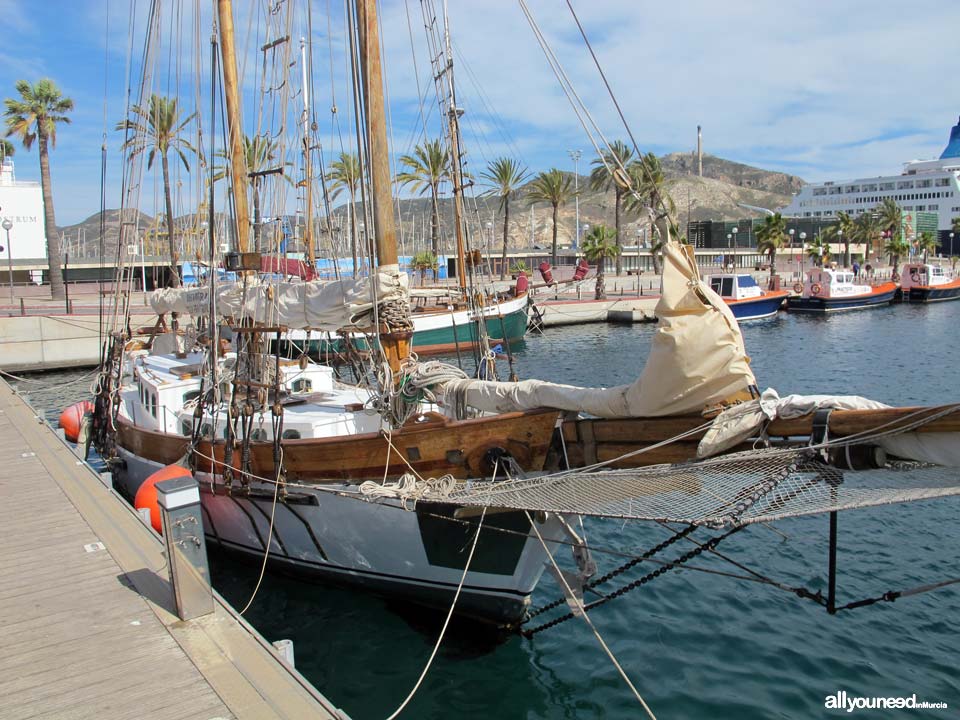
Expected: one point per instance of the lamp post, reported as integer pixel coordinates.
(951, 244)
(575, 156)
(840, 241)
(729, 250)
(7, 225)
(735, 230)
(803, 251)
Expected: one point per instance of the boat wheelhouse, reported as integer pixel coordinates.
(926, 283)
(744, 296)
(833, 289)
(924, 186)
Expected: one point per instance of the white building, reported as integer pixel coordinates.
(923, 186)
(22, 204)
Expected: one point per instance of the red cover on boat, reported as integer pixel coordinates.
(286, 266)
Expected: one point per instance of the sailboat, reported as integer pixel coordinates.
(297, 466)
(434, 486)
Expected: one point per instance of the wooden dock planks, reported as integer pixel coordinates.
(92, 634)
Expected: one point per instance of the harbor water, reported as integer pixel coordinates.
(696, 645)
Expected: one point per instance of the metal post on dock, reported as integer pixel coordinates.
(179, 501)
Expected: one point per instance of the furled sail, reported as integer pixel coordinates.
(697, 360)
(315, 305)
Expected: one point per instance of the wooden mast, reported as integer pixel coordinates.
(395, 333)
(307, 167)
(453, 117)
(238, 163)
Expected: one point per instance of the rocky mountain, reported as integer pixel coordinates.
(717, 195)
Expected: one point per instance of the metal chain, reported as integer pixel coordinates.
(618, 571)
(709, 545)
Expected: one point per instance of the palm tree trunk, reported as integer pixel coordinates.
(174, 275)
(554, 254)
(773, 265)
(54, 260)
(506, 223)
(618, 197)
(434, 221)
(600, 292)
(846, 253)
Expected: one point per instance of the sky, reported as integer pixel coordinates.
(823, 90)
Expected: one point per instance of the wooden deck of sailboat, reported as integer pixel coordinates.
(86, 628)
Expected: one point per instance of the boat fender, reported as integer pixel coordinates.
(546, 273)
(72, 418)
(583, 267)
(798, 288)
(146, 496)
(815, 289)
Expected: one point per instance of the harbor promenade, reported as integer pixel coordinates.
(87, 618)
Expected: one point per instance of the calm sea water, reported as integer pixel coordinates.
(695, 645)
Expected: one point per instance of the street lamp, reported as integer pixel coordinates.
(735, 246)
(729, 250)
(575, 156)
(951, 244)
(7, 225)
(803, 250)
(840, 242)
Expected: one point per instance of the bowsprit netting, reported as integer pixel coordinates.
(738, 489)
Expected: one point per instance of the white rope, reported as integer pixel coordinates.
(582, 612)
(446, 622)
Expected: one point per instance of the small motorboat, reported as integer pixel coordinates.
(926, 283)
(832, 289)
(746, 299)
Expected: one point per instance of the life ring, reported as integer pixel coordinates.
(915, 276)
(815, 289)
(798, 288)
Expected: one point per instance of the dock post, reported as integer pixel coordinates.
(179, 501)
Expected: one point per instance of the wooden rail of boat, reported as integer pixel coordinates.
(591, 440)
(433, 447)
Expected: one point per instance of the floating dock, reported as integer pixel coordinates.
(88, 624)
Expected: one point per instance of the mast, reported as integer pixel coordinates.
(396, 329)
(238, 164)
(307, 167)
(453, 117)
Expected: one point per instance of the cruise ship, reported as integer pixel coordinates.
(924, 186)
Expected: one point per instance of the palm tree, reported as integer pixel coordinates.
(34, 116)
(890, 216)
(423, 261)
(597, 247)
(927, 242)
(426, 169)
(867, 230)
(345, 173)
(650, 194)
(505, 176)
(896, 246)
(553, 187)
(819, 249)
(610, 171)
(771, 236)
(158, 127)
(955, 225)
(845, 230)
(6, 148)
(260, 152)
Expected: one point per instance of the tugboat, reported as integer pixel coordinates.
(831, 289)
(925, 283)
(745, 298)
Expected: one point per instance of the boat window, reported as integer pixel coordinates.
(727, 287)
(302, 385)
(291, 434)
(747, 281)
(186, 428)
(192, 395)
(715, 285)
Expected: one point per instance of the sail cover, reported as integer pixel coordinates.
(697, 360)
(312, 305)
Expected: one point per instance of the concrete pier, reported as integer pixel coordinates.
(87, 619)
